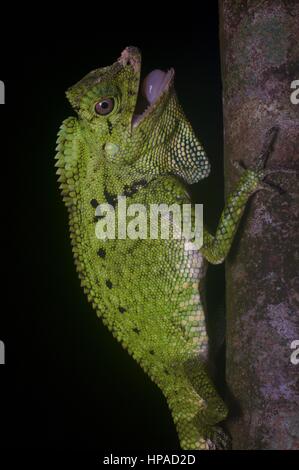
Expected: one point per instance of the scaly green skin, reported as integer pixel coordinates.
(147, 292)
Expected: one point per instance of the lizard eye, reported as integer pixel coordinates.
(105, 106)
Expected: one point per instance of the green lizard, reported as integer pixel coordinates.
(147, 292)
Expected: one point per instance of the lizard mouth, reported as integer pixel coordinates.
(151, 92)
(152, 89)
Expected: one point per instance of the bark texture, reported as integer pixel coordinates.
(260, 58)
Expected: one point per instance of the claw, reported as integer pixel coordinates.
(239, 166)
(220, 440)
(263, 157)
(280, 170)
(267, 148)
(270, 187)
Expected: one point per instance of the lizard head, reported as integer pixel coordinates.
(138, 124)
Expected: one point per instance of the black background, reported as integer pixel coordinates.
(67, 384)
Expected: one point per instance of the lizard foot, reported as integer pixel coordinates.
(259, 166)
(219, 439)
(258, 169)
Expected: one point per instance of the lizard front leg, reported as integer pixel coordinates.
(215, 248)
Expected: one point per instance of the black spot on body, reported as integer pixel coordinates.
(110, 126)
(122, 309)
(110, 198)
(142, 182)
(97, 218)
(101, 253)
(126, 191)
(130, 190)
(130, 250)
(152, 352)
(94, 203)
(136, 330)
(109, 284)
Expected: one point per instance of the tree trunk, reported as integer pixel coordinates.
(260, 60)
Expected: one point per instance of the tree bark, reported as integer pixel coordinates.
(259, 42)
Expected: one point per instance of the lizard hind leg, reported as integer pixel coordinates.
(184, 408)
(215, 409)
(194, 435)
(196, 409)
(193, 419)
